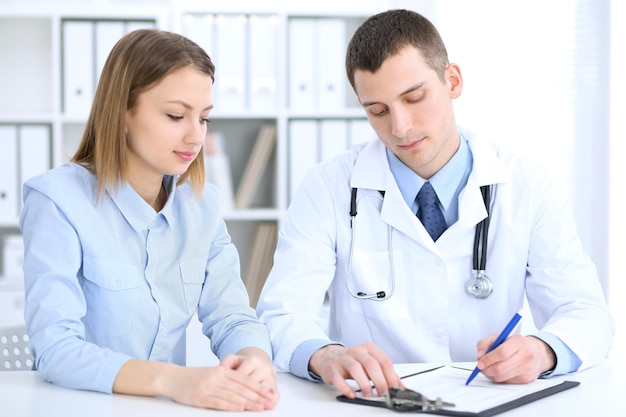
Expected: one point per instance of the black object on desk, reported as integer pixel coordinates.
(407, 400)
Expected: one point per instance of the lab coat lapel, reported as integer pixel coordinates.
(371, 171)
(398, 215)
(488, 169)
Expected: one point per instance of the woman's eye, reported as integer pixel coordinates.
(174, 117)
(205, 121)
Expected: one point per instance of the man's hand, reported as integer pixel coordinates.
(366, 364)
(518, 360)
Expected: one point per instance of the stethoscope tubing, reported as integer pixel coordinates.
(479, 256)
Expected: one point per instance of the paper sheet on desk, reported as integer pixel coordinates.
(448, 383)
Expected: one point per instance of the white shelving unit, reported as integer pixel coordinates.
(33, 90)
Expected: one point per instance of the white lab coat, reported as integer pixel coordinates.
(533, 249)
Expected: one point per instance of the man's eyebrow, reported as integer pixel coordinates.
(408, 90)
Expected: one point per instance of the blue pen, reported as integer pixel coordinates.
(505, 333)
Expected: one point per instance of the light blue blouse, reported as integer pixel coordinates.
(109, 280)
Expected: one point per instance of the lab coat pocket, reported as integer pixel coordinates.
(373, 272)
(192, 272)
(109, 288)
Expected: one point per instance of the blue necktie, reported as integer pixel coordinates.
(429, 212)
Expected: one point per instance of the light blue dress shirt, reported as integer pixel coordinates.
(448, 183)
(110, 279)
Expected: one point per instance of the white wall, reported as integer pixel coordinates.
(617, 218)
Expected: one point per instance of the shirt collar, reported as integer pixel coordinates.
(139, 214)
(447, 182)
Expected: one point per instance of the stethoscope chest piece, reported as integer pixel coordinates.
(480, 286)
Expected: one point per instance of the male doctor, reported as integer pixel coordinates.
(400, 294)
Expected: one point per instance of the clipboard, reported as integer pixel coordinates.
(506, 397)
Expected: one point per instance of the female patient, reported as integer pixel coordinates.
(125, 243)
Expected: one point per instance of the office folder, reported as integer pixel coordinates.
(131, 25)
(217, 167)
(263, 62)
(256, 165)
(230, 59)
(78, 67)
(302, 63)
(302, 151)
(34, 151)
(108, 32)
(333, 138)
(361, 131)
(331, 54)
(9, 184)
(201, 30)
(12, 258)
(260, 259)
(483, 398)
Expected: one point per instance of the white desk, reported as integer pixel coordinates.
(602, 393)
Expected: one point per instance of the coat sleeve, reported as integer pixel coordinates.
(292, 299)
(562, 286)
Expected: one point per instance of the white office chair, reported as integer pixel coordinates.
(14, 352)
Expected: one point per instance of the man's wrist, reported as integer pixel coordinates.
(321, 355)
(549, 360)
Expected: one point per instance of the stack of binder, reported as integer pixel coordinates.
(316, 53)
(312, 141)
(244, 49)
(86, 46)
(26, 152)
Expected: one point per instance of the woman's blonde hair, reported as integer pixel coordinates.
(137, 62)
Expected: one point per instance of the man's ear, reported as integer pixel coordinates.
(454, 79)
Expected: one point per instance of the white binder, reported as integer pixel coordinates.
(12, 259)
(333, 138)
(9, 185)
(201, 30)
(132, 25)
(217, 169)
(263, 62)
(230, 79)
(331, 52)
(302, 63)
(34, 145)
(361, 131)
(107, 34)
(78, 67)
(302, 151)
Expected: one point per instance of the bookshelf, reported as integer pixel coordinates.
(261, 86)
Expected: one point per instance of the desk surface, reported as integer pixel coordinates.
(26, 394)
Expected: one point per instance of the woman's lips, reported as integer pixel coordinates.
(186, 156)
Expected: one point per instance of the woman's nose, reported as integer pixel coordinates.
(196, 133)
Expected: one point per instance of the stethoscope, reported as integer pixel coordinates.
(480, 285)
